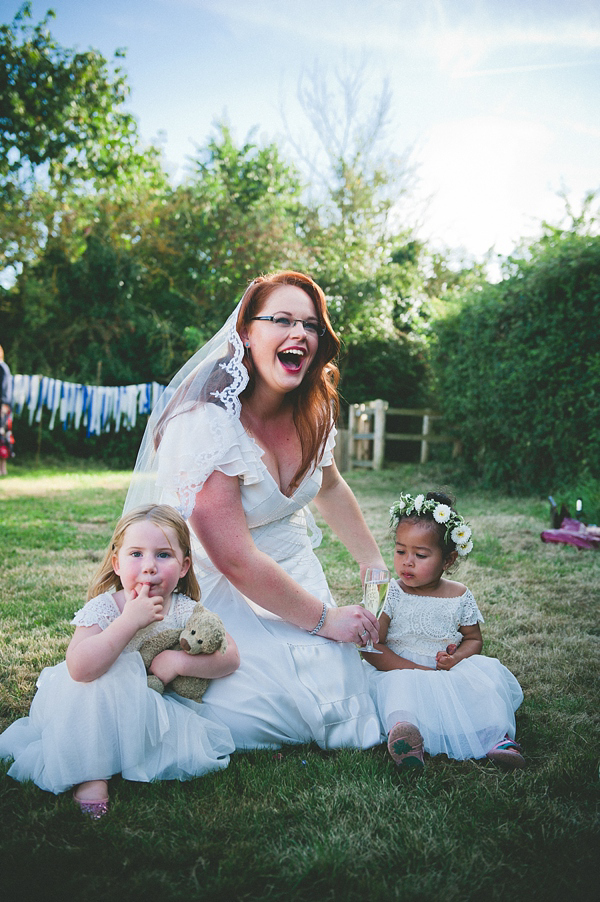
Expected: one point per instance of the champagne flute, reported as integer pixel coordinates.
(377, 583)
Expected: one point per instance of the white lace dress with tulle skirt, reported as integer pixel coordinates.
(291, 687)
(77, 732)
(461, 712)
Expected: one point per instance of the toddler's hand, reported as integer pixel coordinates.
(164, 665)
(444, 661)
(141, 608)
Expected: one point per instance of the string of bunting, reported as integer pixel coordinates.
(97, 407)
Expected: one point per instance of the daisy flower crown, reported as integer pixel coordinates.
(456, 527)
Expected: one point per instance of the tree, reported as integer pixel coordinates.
(367, 261)
(64, 136)
(236, 216)
(358, 184)
(90, 320)
(60, 107)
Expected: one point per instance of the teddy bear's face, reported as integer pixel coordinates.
(204, 634)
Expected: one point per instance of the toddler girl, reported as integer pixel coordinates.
(435, 690)
(93, 715)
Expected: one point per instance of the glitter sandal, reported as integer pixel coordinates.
(93, 808)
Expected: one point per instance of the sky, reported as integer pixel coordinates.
(496, 102)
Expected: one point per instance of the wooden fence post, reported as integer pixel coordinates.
(363, 427)
(425, 444)
(380, 407)
(351, 431)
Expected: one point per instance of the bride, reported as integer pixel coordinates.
(241, 442)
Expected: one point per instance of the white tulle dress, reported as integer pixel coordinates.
(291, 687)
(461, 712)
(77, 732)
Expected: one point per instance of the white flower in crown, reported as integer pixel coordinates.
(463, 550)
(418, 502)
(401, 503)
(441, 513)
(461, 534)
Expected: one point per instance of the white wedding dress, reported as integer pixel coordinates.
(114, 724)
(460, 712)
(291, 687)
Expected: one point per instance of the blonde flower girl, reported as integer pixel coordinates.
(93, 715)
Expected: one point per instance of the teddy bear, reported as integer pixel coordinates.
(203, 634)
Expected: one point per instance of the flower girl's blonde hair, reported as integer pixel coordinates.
(165, 517)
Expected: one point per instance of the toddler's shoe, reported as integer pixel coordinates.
(507, 752)
(93, 809)
(405, 745)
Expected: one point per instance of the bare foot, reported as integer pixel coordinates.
(92, 791)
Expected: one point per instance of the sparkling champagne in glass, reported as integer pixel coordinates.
(377, 582)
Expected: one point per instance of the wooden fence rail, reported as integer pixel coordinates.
(366, 435)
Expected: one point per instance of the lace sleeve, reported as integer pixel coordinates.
(469, 613)
(99, 611)
(392, 599)
(196, 444)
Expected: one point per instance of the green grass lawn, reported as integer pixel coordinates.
(302, 824)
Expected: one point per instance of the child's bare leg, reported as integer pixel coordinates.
(92, 791)
(92, 798)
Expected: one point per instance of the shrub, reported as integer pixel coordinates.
(518, 368)
(395, 369)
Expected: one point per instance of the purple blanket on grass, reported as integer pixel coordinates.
(572, 532)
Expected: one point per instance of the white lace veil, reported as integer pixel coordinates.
(215, 372)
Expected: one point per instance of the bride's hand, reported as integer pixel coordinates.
(351, 623)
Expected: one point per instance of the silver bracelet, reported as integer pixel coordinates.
(321, 621)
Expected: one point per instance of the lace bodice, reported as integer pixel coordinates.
(102, 610)
(423, 624)
(208, 438)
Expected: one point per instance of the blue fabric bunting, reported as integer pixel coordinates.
(98, 407)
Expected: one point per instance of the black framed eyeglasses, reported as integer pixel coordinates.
(285, 322)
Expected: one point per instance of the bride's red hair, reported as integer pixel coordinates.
(316, 402)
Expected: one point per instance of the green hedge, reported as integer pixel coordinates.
(518, 368)
(393, 368)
